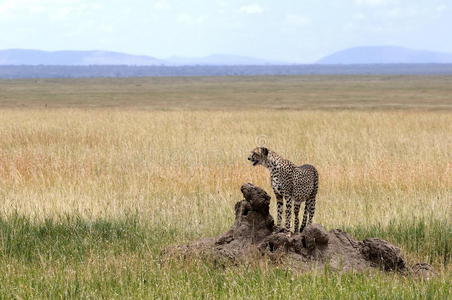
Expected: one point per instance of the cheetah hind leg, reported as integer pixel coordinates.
(305, 216)
(311, 208)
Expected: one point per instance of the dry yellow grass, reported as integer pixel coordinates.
(185, 168)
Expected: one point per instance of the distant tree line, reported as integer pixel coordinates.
(43, 71)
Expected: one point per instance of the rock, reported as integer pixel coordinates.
(382, 254)
(423, 270)
(254, 235)
(315, 236)
(253, 222)
(275, 243)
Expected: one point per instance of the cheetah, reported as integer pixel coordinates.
(296, 184)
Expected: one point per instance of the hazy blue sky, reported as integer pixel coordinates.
(294, 31)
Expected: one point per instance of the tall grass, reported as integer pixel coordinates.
(88, 198)
(185, 168)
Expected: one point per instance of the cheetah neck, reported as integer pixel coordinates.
(274, 161)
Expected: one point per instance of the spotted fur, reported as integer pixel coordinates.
(295, 184)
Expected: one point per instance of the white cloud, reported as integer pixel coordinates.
(399, 13)
(6, 8)
(52, 8)
(359, 16)
(251, 9)
(188, 19)
(162, 5)
(441, 8)
(106, 28)
(297, 20)
(372, 2)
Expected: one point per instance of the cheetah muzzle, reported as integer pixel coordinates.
(253, 161)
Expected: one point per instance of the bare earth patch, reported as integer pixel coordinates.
(254, 234)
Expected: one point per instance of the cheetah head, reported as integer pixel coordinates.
(258, 155)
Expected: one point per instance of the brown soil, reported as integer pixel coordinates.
(255, 234)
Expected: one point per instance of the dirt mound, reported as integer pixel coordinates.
(254, 233)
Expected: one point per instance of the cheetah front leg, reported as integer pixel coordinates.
(296, 211)
(279, 205)
(288, 212)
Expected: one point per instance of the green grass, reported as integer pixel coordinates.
(72, 257)
(430, 240)
(72, 239)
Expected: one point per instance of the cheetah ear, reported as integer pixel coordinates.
(264, 151)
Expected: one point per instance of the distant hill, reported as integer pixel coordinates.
(385, 55)
(84, 58)
(73, 58)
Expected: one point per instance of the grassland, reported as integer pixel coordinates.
(233, 93)
(98, 176)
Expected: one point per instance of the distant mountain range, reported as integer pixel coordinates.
(77, 58)
(84, 58)
(357, 55)
(385, 55)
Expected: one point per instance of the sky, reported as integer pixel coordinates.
(298, 31)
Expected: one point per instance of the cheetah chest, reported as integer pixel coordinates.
(280, 184)
(276, 184)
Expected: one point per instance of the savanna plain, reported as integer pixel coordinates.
(99, 176)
